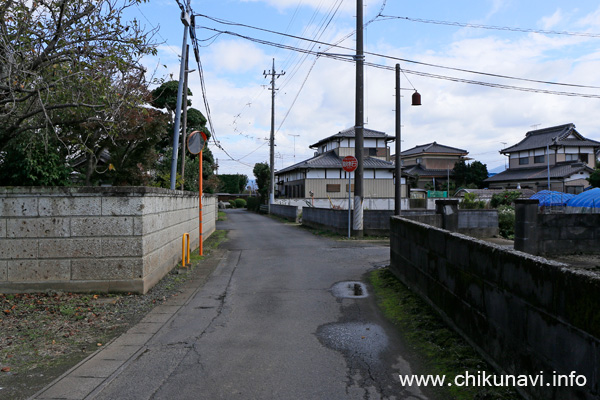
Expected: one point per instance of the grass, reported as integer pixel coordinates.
(221, 216)
(445, 352)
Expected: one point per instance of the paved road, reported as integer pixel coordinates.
(267, 325)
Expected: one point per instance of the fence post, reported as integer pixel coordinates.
(449, 211)
(526, 220)
(183, 248)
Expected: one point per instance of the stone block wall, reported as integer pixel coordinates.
(94, 238)
(526, 314)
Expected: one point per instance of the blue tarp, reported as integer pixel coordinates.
(550, 198)
(588, 199)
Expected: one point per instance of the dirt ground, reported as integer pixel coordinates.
(42, 335)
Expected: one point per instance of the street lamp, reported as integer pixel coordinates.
(416, 101)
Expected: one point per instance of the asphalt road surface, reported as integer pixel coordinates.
(284, 316)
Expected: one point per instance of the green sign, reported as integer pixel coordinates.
(436, 193)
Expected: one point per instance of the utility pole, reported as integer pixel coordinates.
(398, 148)
(274, 76)
(185, 19)
(184, 128)
(359, 124)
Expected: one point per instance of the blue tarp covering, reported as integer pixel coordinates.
(551, 198)
(588, 199)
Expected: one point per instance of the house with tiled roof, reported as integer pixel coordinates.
(559, 155)
(322, 176)
(431, 163)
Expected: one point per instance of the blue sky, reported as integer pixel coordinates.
(316, 95)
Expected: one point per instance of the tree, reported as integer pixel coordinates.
(165, 96)
(64, 63)
(233, 183)
(33, 162)
(262, 173)
(594, 178)
(473, 174)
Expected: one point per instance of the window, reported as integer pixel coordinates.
(347, 187)
(333, 188)
(574, 189)
(577, 157)
(523, 160)
(539, 159)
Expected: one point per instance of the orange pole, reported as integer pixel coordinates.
(201, 251)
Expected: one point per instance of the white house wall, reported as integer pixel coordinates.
(376, 188)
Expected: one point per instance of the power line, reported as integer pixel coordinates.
(371, 53)
(491, 27)
(429, 75)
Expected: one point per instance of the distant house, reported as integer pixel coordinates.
(431, 163)
(322, 176)
(560, 153)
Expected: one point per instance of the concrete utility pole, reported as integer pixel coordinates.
(184, 128)
(398, 148)
(274, 76)
(185, 19)
(357, 223)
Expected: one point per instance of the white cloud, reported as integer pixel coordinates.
(475, 118)
(236, 55)
(552, 21)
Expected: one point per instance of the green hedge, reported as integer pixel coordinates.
(253, 203)
(240, 203)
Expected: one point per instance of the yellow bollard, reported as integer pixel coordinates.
(183, 263)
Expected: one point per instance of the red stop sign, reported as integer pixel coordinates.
(349, 163)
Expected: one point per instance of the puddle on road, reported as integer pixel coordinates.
(349, 290)
(365, 341)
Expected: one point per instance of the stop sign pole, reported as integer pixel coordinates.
(349, 164)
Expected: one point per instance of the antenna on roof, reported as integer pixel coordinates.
(535, 126)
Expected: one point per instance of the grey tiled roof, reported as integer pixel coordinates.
(433, 148)
(422, 172)
(330, 160)
(560, 170)
(350, 133)
(488, 193)
(543, 137)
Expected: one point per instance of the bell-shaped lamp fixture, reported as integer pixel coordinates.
(416, 99)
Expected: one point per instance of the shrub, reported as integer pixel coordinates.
(253, 203)
(506, 221)
(232, 202)
(240, 203)
(505, 198)
(470, 202)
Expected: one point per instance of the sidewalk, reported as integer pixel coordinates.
(86, 379)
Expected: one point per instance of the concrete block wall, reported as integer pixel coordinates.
(478, 223)
(526, 314)
(550, 234)
(326, 218)
(94, 238)
(291, 213)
